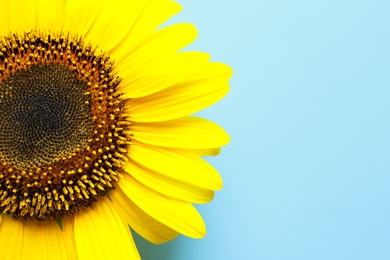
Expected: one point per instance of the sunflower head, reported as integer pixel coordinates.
(95, 131)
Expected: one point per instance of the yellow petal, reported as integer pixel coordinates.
(204, 152)
(160, 73)
(214, 71)
(169, 186)
(192, 94)
(118, 22)
(166, 41)
(68, 237)
(176, 214)
(113, 23)
(50, 14)
(4, 14)
(34, 238)
(81, 15)
(17, 16)
(155, 13)
(11, 238)
(45, 240)
(101, 233)
(144, 17)
(187, 132)
(185, 167)
(146, 226)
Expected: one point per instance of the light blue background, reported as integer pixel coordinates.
(307, 171)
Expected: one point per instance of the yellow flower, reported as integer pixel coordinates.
(95, 132)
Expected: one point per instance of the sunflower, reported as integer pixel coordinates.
(95, 132)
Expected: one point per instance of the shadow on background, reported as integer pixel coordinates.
(149, 251)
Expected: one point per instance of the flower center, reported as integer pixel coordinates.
(44, 115)
(62, 126)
